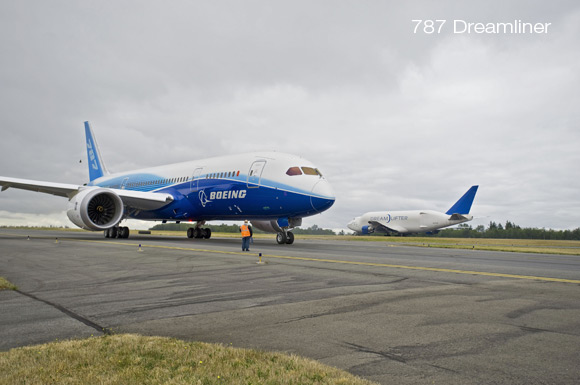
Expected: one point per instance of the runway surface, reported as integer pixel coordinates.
(391, 314)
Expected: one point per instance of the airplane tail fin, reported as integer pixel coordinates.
(97, 168)
(463, 205)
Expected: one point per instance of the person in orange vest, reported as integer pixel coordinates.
(247, 233)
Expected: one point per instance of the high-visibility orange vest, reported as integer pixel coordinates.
(245, 231)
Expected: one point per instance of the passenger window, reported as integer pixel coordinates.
(294, 171)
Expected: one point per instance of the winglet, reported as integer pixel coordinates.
(96, 166)
(463, 205)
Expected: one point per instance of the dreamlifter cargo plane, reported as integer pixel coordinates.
(414, 221)
(273, 190)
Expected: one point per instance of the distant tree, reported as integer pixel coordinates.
(223, 228)
(511, 231)
(464, 230)
(313, 230)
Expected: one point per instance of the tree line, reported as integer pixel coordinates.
(223, 228)
(508, 231)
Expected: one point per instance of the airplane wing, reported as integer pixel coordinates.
(136, 199)
(144, 200)
(387, 229)
(59, 189)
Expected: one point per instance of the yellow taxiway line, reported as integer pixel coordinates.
(358, 263)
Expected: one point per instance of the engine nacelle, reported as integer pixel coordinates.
(367, 230)
(95, 209)
(267, 226)
(277, 225)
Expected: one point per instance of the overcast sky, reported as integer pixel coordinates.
(394, 119)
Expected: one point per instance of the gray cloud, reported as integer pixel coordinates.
(396, 120)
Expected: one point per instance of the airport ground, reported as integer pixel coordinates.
(386, 312)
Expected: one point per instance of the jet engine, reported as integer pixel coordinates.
(277, 225)
(267, 226)
(95, 209)
(367, 230)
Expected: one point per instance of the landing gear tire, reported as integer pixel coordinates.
(198, 233)
(123, 232)
(289, 238)
(281, 238)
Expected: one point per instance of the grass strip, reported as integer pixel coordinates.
(6, 285)
(134, 359)
(490, 244)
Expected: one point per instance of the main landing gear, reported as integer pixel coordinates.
(117, 232)
(198, 232)
(286, 237)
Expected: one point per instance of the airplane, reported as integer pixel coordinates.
(414, 221)
(274, 190)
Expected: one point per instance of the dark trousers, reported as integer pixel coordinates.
(246, 243)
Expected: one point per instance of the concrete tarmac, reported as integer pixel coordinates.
(391, 314)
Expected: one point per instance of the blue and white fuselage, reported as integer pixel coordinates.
(252, 186)
(274, 190)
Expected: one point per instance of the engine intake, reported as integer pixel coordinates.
(367, 230)
(95, 209)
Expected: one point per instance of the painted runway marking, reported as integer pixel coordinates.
(358, 263)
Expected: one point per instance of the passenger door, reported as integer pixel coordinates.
(255, 173)
(194, 185)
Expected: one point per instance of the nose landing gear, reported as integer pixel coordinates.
(286, 237)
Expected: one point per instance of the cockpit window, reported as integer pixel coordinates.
(303, 170)
(311, 171)
(294, 171)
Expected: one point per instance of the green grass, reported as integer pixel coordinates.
(6, 285)
(509, 245)
(132, 359)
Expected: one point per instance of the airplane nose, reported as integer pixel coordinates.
(352, 225)
(322, 197)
